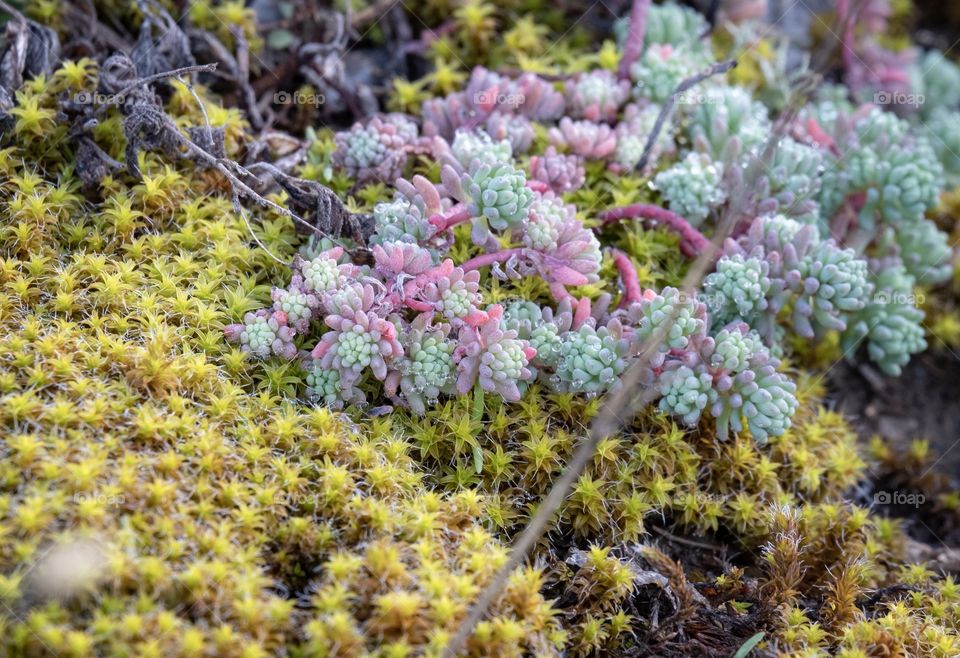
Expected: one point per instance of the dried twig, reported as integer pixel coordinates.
(240, 210)
(163, 75)
(684, 86)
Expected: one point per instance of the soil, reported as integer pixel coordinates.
(923, 403)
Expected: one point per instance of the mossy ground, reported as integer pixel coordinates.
(201, 507)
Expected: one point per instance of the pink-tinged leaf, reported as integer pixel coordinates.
(558, 291)
(529, 352)
(581, 313)
(451, 181)
(464, 382)
(538, 186)
(475, 318)
(567, 276)
(510, 392)
(486, 100)
(428, 191)
(322, 348)
(379, 367)
(419, 306)
(232, 331)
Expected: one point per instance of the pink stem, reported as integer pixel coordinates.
(483, 260)
(457, 215)
(418, 306)
(820, 136)
(692, 241)
(412, 287)
(632, 292)
(633, 47)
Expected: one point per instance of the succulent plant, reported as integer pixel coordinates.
(323, 273)
(669, 23)
(528, 320)
(375, 151)
(562, 173)
(632, 135)
(263, 333)
(575, 261)
(591, 360)
(296, 305)
(763, 396)
(473, 145)
(661, 68)
(593, 141)
(596, 96)
(692, 187)
(890, 174)
(942, 130)
(359, 338)
(455, 296)
(890, 322)
(939, 83)
(407, 217)
(515, 129)
(791, 184)
(686, 393)
(323, 386)
(547, 216)
(823, 282)
(737, 289)
(725, 122)
(492, 357)
(680, 316)
(399, 221)
(925, 252)
(496, 195)
(427, 369)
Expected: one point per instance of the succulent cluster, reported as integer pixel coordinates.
(378, 150)
(839, 206)
(413, 321)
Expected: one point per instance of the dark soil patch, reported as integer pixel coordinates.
(923, 403)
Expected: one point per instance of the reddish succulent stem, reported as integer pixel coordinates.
(456, 215)
(483, 260)
(633, 47)
(413, 286)
(820, 136)
(418, 306)
(538, 186)
(632, 292)
(692, 241)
